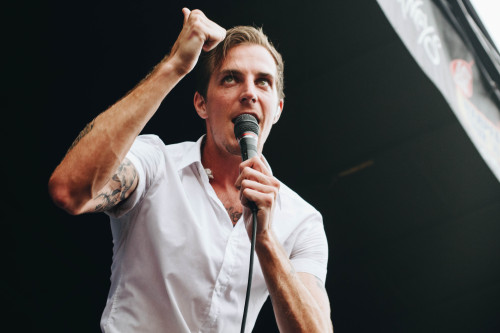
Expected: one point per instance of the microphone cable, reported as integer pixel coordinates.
(250, 268)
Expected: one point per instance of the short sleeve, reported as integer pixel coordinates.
(146, 156)
(310, 251)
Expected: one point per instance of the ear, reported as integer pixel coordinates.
(200, 105)
(278, 111)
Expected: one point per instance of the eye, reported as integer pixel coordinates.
(263, 82)
(228, 79)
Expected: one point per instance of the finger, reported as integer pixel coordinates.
(252, 164)
(186, 13)
(249, 173)
(256, 163)
(216, 35)
(270, 191)
(212, 32)
(261, 200)
(263, 188)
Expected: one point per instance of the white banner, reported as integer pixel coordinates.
(445, 59)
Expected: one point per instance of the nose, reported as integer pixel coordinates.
(248, 94)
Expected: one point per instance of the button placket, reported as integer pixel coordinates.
(223, 279)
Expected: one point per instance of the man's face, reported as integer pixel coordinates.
(244, 83)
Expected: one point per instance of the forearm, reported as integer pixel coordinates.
(295, 308)
(100, 148)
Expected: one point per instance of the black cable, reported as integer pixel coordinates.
(250, 268)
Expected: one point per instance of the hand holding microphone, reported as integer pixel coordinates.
(258, 188)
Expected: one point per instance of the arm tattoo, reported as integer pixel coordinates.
(84, 132)
(122, 182)
(233, 214)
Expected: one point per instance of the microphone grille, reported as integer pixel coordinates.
(245, 123)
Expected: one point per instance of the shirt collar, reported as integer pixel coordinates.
(193, 155)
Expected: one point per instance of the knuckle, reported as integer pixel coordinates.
(197, 12)
(268, 199)
(247, 170)
(243, 165)
(197, 23)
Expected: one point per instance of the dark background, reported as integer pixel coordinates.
(411, 211)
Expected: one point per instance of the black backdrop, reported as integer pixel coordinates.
(411, 211)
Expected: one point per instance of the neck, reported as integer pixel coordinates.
(224, 165)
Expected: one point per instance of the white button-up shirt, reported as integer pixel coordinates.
(179, 265)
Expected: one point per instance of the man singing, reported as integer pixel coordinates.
(179, 213)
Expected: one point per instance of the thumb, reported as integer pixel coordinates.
(186, 13)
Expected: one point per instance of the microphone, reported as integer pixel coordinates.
(246, 130)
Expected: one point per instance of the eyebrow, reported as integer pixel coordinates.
(235, 72)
